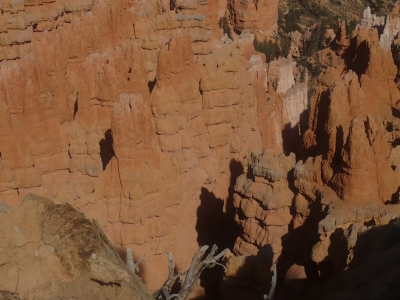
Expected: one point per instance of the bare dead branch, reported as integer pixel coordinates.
(169, 283)
(197, 266)
(134, 267)
(171, 265)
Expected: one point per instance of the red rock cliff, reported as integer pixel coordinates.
(126, 110)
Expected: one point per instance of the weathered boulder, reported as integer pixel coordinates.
(49, 250)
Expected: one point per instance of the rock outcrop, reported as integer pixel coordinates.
(49, 250)
(263, 200)
(345, 182)
(260, 16)
(353, 174)
(283, 116)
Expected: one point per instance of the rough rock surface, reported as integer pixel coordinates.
(350, 183)
(126, 110)
(345, 182)
(376, 252)
(263, 200)
(52, 251)
(260, 17)
(146, 116)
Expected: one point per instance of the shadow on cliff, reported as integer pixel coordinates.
(292, 138)
(253, 279)
(361, 55)
(216, 225)
(374, 271)
(297, 245)
(106, 148)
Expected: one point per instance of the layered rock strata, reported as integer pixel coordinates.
(126, 110)
(263, 201)
(346, 183)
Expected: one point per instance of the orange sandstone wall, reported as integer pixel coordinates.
(130, 112)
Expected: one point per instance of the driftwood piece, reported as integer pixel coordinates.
(197, 266)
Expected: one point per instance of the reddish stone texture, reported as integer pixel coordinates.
(126, 110)
(259, 17)
(346, 180)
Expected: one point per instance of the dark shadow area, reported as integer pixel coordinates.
(395, 112)
(236, 169)
(216, 226)
(374, 241)
(291, 181)
(380, 28)
(349, 53)
(337, 255)
(337, 157)
(253, 279)
(111, 284)
(362, 56)
(297, 246)
(396, 58)
(374, 272)
(395, 143)
(370, 223)
(322, 138)
(292, 138)
(152, 84)
(75, 108)
(322, 117)
(106, 148)
(395, 197)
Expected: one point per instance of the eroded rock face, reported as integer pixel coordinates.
(283, 116)
(352, 171)
(263, 200)
(126, 110)
(50, 250)
(346, 183)
(348, 124)
(256, 16)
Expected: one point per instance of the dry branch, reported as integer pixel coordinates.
(134, 267)
(197, 266)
